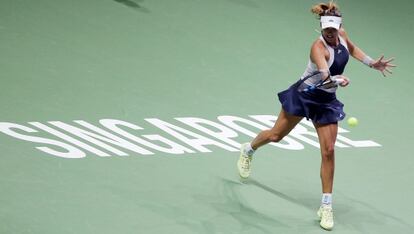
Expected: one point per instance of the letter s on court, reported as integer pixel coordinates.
(71, 152)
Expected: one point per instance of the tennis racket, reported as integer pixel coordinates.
(330, 81)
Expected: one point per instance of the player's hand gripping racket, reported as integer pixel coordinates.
(329, 82)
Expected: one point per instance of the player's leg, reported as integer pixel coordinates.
(284, 124)
(327, 136)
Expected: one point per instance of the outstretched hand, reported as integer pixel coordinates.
(383, 65)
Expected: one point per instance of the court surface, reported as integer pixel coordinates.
(125, 117)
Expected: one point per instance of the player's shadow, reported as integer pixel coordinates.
(229, 202)
(344, 211)
(305, 203)
(133, 4)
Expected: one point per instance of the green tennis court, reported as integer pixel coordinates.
(125, 116)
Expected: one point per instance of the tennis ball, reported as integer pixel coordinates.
(352, 121)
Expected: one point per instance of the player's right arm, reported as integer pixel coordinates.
(319, 56)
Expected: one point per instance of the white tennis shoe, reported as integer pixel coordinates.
(325, 214)
(244, 163)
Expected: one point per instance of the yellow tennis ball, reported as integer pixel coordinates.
(352, 121)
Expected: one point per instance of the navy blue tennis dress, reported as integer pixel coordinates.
(319, 105)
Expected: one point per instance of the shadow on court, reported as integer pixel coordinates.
(133, 5)
(309, 205)
(353, 214)
(224, 211)
(232, 203)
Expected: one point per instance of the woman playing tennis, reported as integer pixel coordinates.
(328, 58)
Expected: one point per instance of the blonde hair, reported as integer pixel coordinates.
(326, 9)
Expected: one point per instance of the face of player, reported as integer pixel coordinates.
(330, 35)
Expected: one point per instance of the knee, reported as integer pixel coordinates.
(275, 137)
(328, 152)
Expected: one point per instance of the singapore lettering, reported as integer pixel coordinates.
(187, 135)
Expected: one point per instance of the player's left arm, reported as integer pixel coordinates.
(381, 64)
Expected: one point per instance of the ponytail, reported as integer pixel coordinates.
(326, 9)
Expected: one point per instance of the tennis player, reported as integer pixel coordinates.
(328, 57)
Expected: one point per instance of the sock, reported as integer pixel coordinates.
(326, 199)
(248, 150)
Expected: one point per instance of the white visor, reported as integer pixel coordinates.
(331, 22)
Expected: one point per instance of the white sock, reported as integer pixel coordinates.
(326, 199)
(248, 150)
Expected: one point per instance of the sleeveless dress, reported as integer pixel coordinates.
(319, 105)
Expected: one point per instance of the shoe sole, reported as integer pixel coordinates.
(326, 228)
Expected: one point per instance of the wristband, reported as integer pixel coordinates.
(367, 61)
